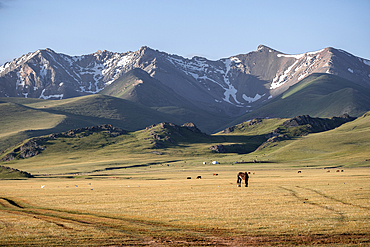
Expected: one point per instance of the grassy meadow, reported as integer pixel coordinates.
(163, 207)
(99, 190)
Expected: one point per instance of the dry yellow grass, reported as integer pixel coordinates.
(163, 207)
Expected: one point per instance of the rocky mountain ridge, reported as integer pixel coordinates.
(231, 86)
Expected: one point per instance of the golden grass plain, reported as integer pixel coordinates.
(163, 207)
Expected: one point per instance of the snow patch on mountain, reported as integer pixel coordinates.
(26, 57)
(58, 96)
(124, 60)
(43, 71)
(68, 59)
(367, 62)
(255, 98)
(76, 59)
(201, 70)
(308, 59)
(4, 67)
(282, 78)
(235, 60)
(118, 63)
(195, 65)
(299, 56)
(20, 82)
(95, 71)
(302, 76)
(230, 91)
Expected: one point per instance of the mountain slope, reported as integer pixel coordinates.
(137, 86)
(23, 118)
(41, 117)
(98, 109)
(229, 86)
(347, 145)
(16, 117)
(318, 95)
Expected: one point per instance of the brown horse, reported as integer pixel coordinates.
(242, 176)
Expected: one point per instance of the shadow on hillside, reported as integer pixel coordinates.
(240, 144)
(120, 167)
(132, 166)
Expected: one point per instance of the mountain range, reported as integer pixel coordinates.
(213, 94)
(233, 84)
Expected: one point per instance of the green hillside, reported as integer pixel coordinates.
(347, 145)
(85, 151)
(19, 122)
(15, 118)
(31, 117)
(318, 95)
(23, 118)
(94, 150)
(11, 173)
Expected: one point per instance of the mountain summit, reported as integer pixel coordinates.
(230, 86)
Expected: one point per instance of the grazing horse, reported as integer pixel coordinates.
(242, 176)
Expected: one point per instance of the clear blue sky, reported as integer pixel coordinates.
(214, 29)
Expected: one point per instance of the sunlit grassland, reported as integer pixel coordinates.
(102, 190)
(15, 119)
(136, 205)
(18, 119)
(22, 118)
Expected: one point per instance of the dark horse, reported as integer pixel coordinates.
(242, 176)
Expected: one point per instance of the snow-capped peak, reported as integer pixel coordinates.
(235, 83)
